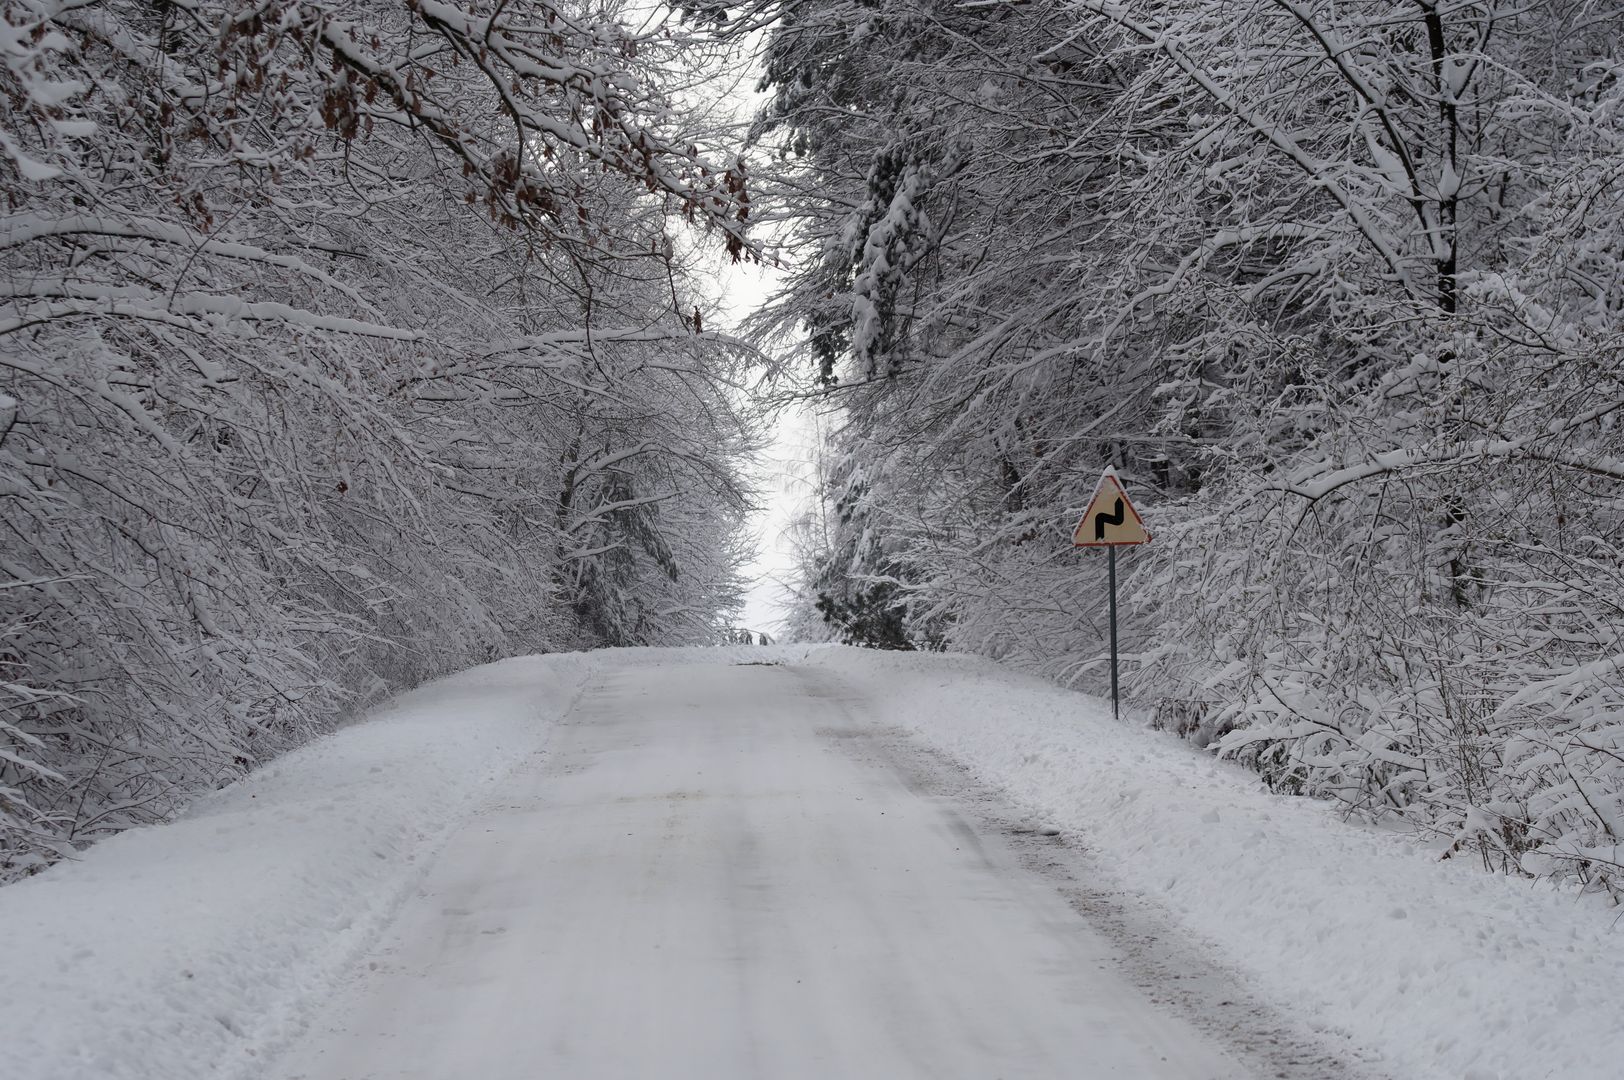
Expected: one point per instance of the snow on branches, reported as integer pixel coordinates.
(336, 351)
(1336, 286)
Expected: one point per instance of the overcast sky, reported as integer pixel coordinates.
(746, 285)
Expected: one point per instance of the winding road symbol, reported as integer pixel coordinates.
(1110, 519)
(1102, 519)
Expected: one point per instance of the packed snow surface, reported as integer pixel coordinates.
(654, 863)
(1443, 970)
(703, 881)
(184, 950)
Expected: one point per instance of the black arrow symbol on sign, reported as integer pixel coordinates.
(1102, 519)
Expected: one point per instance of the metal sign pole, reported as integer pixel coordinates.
(1111, 557)
(1110, 520)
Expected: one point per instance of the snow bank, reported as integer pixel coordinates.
(186, 950)
(1446, 971)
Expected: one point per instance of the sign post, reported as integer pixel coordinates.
(1110, 561)
(1110, 522)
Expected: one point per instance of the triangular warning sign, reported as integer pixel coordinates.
(1110, 518)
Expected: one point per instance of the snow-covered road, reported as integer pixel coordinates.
(708, 876)
(782, 862)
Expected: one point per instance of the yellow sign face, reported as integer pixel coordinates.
(1110, 518)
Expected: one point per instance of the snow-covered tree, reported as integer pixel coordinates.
(1335, 285)
(341, 345)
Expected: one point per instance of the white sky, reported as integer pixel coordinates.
(745, 286)
(770, 593)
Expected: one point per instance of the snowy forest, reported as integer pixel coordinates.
(1338, 288)
(346, 345)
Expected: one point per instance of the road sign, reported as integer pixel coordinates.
(1110, 520)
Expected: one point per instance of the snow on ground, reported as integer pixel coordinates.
(186, 950)
(1444, 970)
(714, 874)
(192, 950)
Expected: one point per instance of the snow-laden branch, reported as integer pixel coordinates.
(603, 512)
(1322, 173)
(20, 229)
(1315, 484)
(41, 304)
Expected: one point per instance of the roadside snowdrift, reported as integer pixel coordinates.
(184, 950)
(1446, 971)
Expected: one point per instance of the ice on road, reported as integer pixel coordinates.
(708, 875)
